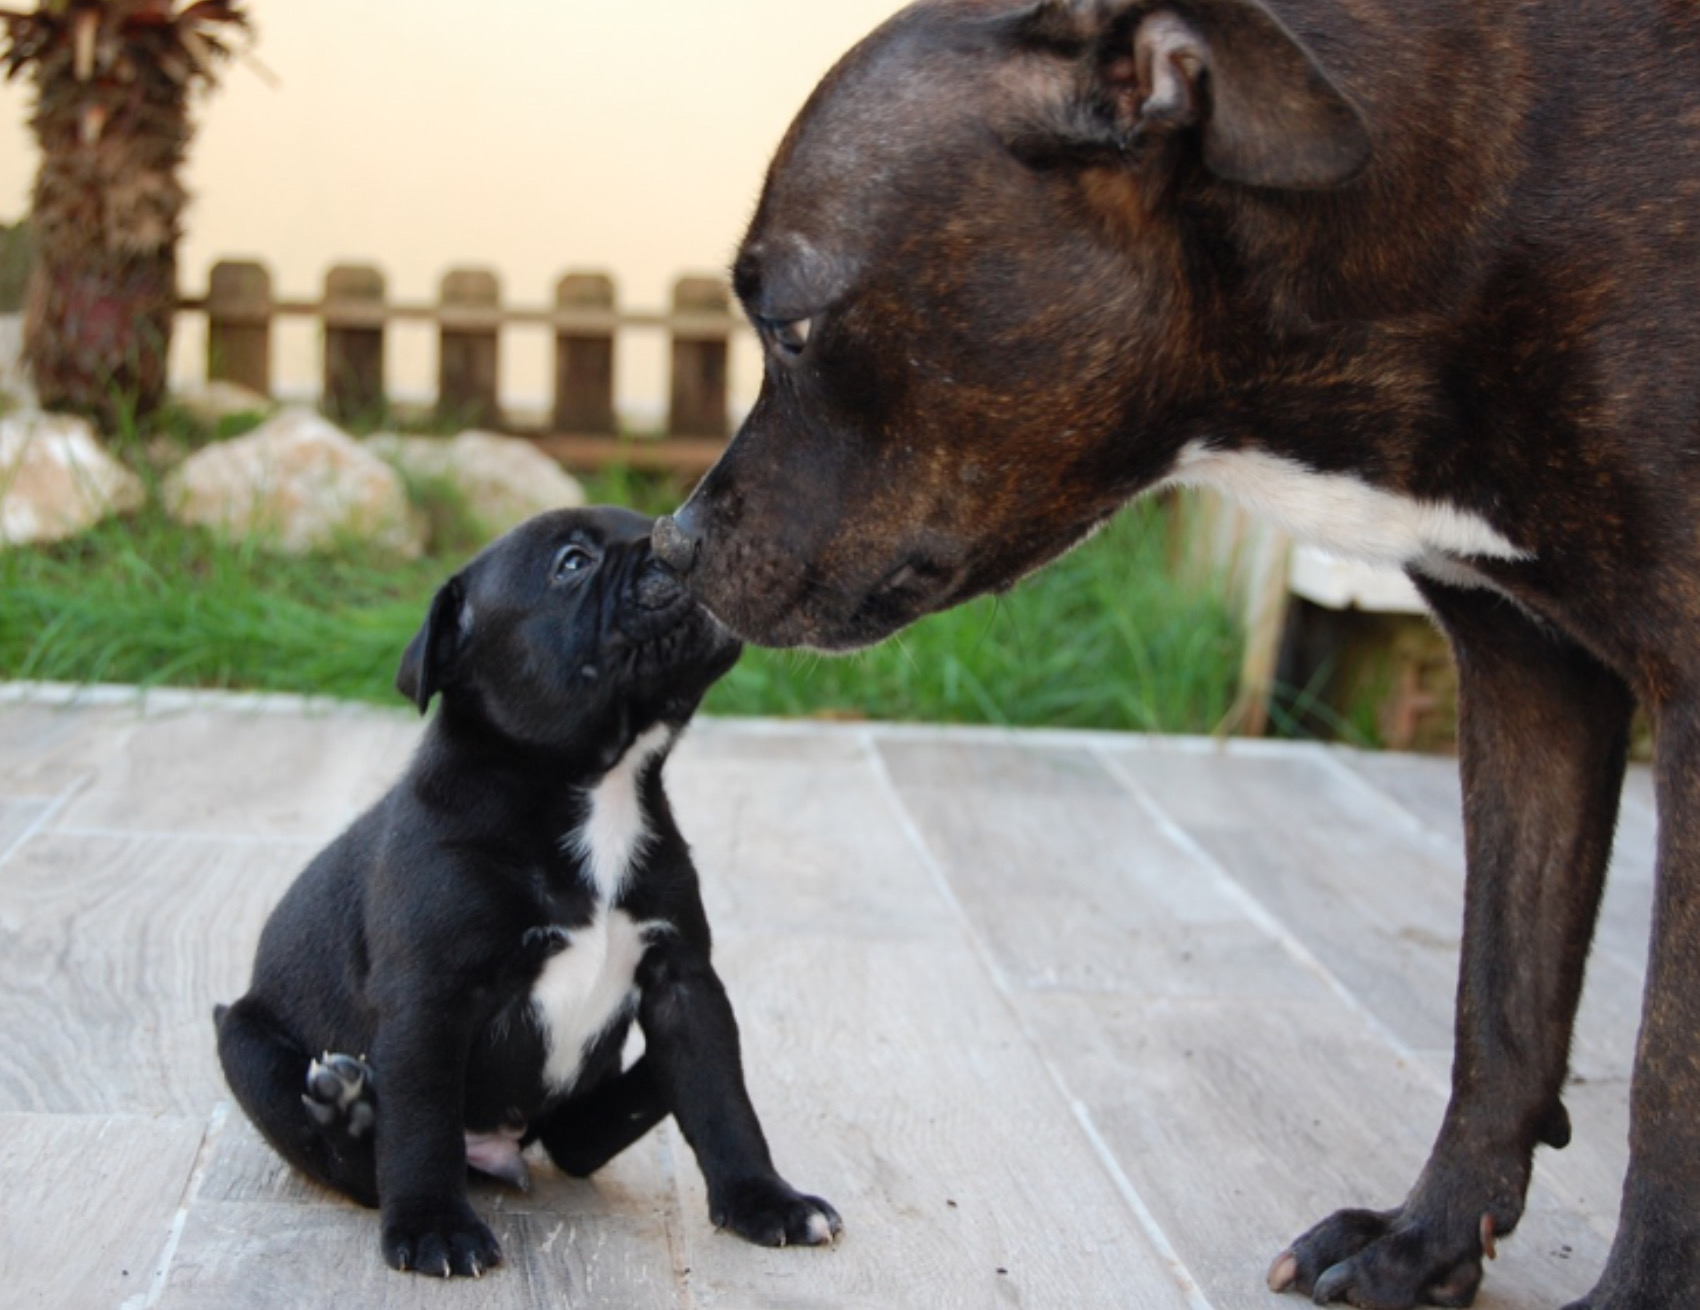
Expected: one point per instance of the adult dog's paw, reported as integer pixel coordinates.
(770, 1212)
(441, 1238)
(1384, 1259)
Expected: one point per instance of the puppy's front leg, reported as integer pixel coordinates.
(691, 1039)
(420, 1058)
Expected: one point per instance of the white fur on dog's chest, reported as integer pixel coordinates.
(1345, 515)
(592, 984)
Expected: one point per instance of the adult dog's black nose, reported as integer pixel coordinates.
(675, 542)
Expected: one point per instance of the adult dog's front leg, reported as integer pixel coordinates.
(1655, 1260)
(428, 1227)
(1543, 735)
(691, 1041)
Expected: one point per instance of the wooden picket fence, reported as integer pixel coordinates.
(580, 428)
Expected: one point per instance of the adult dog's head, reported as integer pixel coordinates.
(566, 634)
(977, 320)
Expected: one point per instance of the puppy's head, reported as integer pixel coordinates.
(567, 634)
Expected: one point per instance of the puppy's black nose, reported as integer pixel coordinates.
(675, 543)
(656, 587)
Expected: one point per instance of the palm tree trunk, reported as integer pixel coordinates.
(107, 211)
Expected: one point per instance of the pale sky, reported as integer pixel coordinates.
(530, 136)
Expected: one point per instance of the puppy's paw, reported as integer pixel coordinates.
(443, 1239)
(770, 1212)
(339, 1095)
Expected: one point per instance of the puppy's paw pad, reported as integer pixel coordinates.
(339, 1094)
(770, 1212)
(441, 1240)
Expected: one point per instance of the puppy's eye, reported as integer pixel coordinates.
(572, 559)
(790, 335)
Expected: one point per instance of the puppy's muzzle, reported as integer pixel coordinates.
(657, 587)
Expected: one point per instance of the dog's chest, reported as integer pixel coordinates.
(591, 985)
(1347, 516)
(584, 990)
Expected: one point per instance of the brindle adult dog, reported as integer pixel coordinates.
(1423, 280)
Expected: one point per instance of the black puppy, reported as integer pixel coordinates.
(485, 934)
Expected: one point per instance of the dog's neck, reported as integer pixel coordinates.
(467, 764)
(615, 827)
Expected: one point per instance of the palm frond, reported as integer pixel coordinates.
(113, 38)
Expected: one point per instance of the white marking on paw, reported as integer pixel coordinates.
(616, 829)
(820, 1229)
(1345, 515)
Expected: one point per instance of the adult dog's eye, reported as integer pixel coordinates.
(572, 559)
(790, 335)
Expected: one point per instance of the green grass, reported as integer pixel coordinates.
(1103, 639)
(145, 601)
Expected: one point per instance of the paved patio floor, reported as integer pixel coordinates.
(1056, 1020)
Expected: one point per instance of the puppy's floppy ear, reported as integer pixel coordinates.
(1265, 111)
(428, 663)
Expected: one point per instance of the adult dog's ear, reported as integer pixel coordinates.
(1265, 112)
(428, 663)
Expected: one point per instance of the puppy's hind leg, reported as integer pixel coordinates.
(317, 1114)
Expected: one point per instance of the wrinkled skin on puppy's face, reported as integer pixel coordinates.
(567, 630)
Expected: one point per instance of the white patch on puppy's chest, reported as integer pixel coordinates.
(592, 984)
(615, 828)
(584, 989)
(1345, 515)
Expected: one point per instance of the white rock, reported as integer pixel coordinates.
(56, 479)
(505, 480)
(212, 402)
(297, 483)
